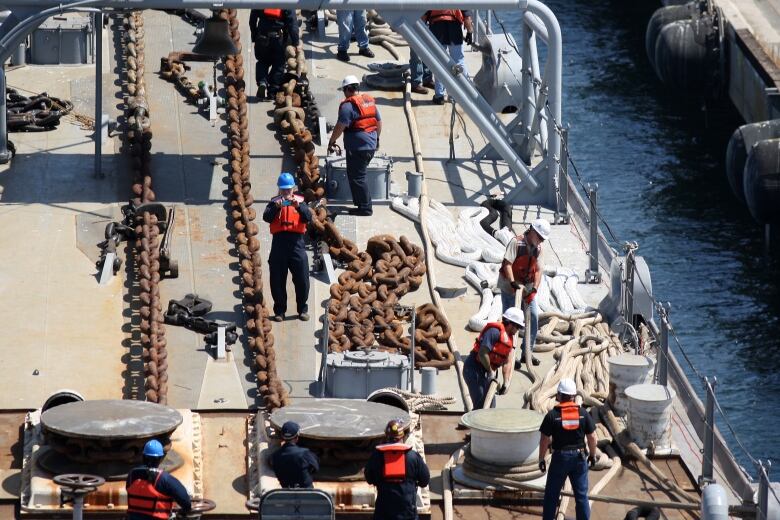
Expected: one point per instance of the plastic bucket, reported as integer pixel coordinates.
(649, 415)
(626, 370)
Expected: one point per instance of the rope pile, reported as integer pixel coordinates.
(420, 402)
(581, 344)
(380, 33)
(244, 228)
(147, 246)
(38, 113)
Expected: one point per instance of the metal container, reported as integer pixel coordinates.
(429, 380)
(649, 415)
(414, 184)
(66, 39)
(504, 436)
(714, 503)
(377, 177)
(626, 370)
(356, 374)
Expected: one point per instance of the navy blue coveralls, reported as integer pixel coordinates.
(294, 466)
(288, 253)
(167, 484)
(270, 37)
(397, 500)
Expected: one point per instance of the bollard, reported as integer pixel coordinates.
(663, 359)
(709, 433)
(428, 380)
(592, 275)
(414, 184)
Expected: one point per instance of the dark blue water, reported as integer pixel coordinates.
(659, 162)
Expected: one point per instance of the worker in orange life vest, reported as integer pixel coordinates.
(271, 30)
(397, 471)
(360, 122)
(151, 491)
(288, 215)
(521, 269)
(493, 349)
(447, 27)
(566, 428)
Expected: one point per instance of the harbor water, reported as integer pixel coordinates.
(659, 163)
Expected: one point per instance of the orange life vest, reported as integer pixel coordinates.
(273, 14)
(444, 15)
(526, 264)
(394, 469)
(570, 415)
(366, 120)
(143, 498)
(500, 352)
(288, 219)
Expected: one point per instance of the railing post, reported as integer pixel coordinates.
(411, 350)
(709, 433)
(628, 290)
(592, 275)
(663, 359)
(562, 207)
(762, 507)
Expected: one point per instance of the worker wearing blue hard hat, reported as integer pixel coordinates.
(151, 491)
(293, 464)
(288, 215)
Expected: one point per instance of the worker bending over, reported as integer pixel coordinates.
(493, 349)
(294, 465)
(521, 269)
(397, 471)
(566, 427)
(152, 491)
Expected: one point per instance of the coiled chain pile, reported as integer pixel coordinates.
(245, 229)
(147, 246)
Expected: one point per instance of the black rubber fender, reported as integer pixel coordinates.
(650, 513)
(762, 181)
(684, 58)
(741, 142)
(662, 17)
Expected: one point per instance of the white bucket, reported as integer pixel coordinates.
(649, 415)
(504, 436)
(626, 370)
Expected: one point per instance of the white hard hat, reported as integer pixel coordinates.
(514, 315)
(567, 387)
(542, 227)
(349, 80)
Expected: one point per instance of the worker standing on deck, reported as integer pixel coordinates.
(566, 427)
(352, 22)
(294, 465)
(493, 349)
(360, 122)
(288, 215)
(447, 26)
(151, 491)
(397, 471)
(271, 30)
(521, 269)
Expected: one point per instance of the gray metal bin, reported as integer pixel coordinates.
(377, 176)
(67, 39)
(356, 374)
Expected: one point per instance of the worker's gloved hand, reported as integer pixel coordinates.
(331, 148)
(502, 389)
(543, 466)
(516, 285)
(469, 38)
(591, 461)
(530, 296)
(377, 142)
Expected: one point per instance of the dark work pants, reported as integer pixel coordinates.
(288, 254)
(478, 381)
(571, 464)
(357, 162)
(496, 208)
(270, 55)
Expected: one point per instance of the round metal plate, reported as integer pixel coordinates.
(111, 419)
(337, 419)
(55, 463)
(630, 360)
(503, 420)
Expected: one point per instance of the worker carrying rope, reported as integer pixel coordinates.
(521, 270)
(493, 349)
(565, 428)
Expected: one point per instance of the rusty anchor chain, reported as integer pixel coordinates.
(244, 228)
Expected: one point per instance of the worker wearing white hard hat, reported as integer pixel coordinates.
(521, 270)
(566, 428)
(493, 350)
(360, 123)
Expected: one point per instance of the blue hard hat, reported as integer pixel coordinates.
(153, 448)
(290, 430)
(285, 181)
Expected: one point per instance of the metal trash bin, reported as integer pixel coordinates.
(377, 177)
(356, 374)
